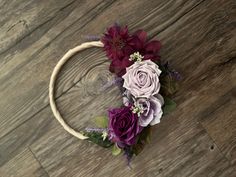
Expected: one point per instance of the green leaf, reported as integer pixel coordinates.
(115, 150)
(101, 121)
(169, 106)
(143, 138)
(97, 138)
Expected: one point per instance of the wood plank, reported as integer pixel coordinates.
(36, 54)
(24, 164)
(23, 64)
(180, 146)
(214, 164)
(219, 121)
(176, 149)
(21, 18)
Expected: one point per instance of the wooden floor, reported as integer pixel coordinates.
(199, 39)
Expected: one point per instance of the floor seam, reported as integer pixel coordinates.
(38, 161)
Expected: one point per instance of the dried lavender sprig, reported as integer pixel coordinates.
(176, 75)
(128, 156)
(115, 81)
(91, 37)
(96, 129)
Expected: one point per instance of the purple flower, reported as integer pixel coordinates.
(123, 126)
(149, 110)
(119, 45)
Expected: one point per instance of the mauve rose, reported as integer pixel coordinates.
(151, 110)
(142, 79)
(123, 125)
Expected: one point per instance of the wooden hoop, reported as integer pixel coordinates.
(53, 78)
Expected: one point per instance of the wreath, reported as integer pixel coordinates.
(147, 85)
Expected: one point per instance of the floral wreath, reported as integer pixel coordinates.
(146, 84)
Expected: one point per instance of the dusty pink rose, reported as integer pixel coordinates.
(142, 79)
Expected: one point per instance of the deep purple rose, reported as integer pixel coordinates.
(123, 126)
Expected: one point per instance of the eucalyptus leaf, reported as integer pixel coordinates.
(101, 121)
(115, 150)
(169, 106)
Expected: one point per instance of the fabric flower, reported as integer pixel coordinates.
(149, 49)
(119, 45)
(142, 79)
(151, 111)
(123, 126)
(115, 42)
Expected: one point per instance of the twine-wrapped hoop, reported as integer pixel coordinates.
(53, 78)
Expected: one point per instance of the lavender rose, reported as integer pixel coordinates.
(149, 110)
(123, 126)
(142, 79)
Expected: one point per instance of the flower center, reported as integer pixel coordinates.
(117, 43)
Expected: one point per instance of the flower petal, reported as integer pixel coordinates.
(153, 47)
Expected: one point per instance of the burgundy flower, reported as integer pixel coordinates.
(119, 45)
(148, 49)
(115, 42)
(123, 126)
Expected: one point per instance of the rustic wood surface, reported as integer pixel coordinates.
(199, 39)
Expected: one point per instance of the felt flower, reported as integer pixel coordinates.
(142, 79)
(123, 126)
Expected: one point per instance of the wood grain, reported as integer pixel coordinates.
(223, 130)
(198, 37)
(24, 164)
(29, 70)
(64, 31)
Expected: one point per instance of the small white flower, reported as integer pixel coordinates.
(104, 135)
(136, 56)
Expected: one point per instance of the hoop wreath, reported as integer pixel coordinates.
(146, 83)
